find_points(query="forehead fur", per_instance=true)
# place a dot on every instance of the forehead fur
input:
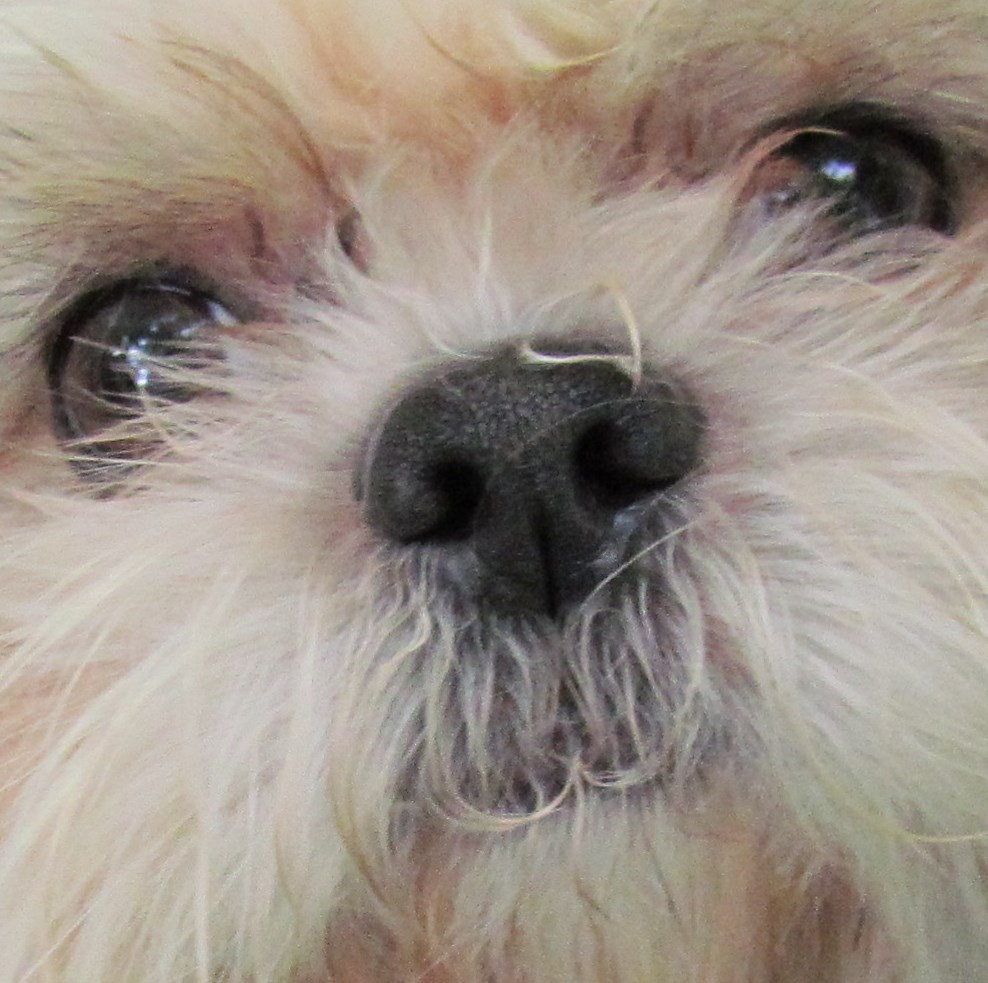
(354, 71)
(239, 130)
(417, 68)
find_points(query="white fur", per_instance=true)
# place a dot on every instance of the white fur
(234, 729)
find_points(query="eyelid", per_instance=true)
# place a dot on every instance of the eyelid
(181, 277)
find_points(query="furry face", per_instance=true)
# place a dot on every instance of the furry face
(493, 491)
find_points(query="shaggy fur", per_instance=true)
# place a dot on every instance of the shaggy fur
(242, 740)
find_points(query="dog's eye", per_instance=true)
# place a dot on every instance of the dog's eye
(870, 178)
(124, 349)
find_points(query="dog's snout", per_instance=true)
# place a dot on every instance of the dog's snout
(531, 466)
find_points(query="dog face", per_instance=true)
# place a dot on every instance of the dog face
(493, 491)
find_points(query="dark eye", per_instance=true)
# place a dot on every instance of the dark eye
(871, 176)
(125, 349)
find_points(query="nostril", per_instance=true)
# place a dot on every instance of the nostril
(458, 487)
(632, 454)
(433, 501)
(605, 473)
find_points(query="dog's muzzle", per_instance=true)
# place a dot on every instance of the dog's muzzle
(540, 466)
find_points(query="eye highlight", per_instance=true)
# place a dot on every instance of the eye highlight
(869, 174)
(124, 349)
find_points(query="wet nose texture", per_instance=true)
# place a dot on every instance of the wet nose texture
(534, 465)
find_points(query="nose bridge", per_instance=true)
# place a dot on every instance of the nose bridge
(507, 410)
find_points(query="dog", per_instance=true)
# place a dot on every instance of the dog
(493, 491)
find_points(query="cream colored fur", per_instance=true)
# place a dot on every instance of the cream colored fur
(213, 685)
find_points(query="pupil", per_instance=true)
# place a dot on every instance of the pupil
(162, 320)
(127, 371)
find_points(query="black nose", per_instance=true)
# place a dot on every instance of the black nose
(536, 466)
